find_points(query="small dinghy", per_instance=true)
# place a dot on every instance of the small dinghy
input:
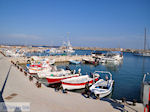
(79, 82)
(103, 87)
(74, 62)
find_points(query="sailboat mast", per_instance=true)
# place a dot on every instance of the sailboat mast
(145, 40)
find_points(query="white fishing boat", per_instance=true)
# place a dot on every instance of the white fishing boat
(37, 65)
(114, 55)
(51, 72)
(12, 53)
(56, 78)
(34, 69)
(78, 82)
(103, 87)
(146, 54)
(69, 48)
(66, 48)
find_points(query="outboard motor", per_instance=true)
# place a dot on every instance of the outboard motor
(91, 74)
(68, 68)
(79, 71)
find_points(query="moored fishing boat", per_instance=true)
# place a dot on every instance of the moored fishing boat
(78, 82)
(37, 66)
(103, 87)
(52, 79)
(52, 72)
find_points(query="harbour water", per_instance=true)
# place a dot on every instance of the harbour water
(127, 75)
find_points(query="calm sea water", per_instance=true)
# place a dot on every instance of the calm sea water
(127, 75)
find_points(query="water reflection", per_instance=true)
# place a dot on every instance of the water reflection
(113, 66)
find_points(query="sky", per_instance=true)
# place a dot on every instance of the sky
(86, 23)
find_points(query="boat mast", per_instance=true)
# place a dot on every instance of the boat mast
(145, 40)
(68, 40)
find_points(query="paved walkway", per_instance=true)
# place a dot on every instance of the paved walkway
(15, 87)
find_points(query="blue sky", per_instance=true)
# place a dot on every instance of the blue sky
(91, 23)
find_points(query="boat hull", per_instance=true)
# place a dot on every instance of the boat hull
(101, 92)
(72, 86)
(53, 80)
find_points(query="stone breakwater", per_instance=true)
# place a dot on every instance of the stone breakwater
(111, 49)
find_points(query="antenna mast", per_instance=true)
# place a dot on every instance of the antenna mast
(68, 36)
(145, 40)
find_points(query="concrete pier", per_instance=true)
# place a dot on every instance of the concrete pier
(16, 87)
(57, 58)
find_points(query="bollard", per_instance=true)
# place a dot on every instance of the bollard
(123, 100)
(38, 85)
(21, 70)
(25, 73)
(30, 78)
(12, 62)
(134, 102)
